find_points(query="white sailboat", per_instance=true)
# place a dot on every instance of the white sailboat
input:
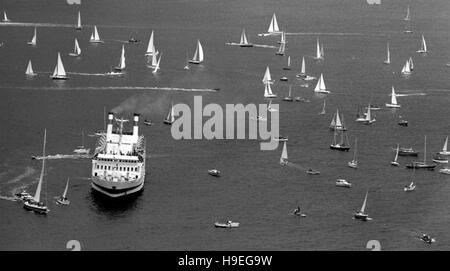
(411, 64)
(369, 119)
(320, 87)
(76, 49)
(268, 93)
(78, 27)
(408, 15)
(393, 103)
(273, 27)
(284, 155)
(336, 123)
(302, 69)
(323, 109)
(151, 47)
(155, 70)
(322, 54)
(170, 117)
(95, 38)
(423, 47)
(411, 186)
(59, 73)
(361, 214)
(388, 56)
(198, 55)
(36, 204)
(282, 38)
(121, 65)
(244, 42)
(444, 149)
(289, 97)
(406, 70)
(319, 50)
(33, 40)
(29, 71)
(354, 162)
(63, 199)
(267, 77)
(395, 163)
(81, 149)
(282, 48)
(5, 18)
(288, 66)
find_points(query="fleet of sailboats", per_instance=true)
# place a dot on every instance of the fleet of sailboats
(95, 37)
(76, 49)
(393, 102)
(36, 204)
(29, 71)
(320, 87)
(198, 55)
(59, 73)
(33, 39)
(423, 46)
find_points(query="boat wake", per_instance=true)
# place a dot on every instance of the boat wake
(12, 189)
(411, 94)
(265, 46)
(37, 24)
(114, 88)
(28, 172)
(63, 156)
(87, 74)
(328, 34)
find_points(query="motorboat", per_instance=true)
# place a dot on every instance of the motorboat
(133, 40)
(284, 79)
(214, 172)
(440, 159)
(427, 239)
(312, 172)
(23, 195)
(445, 170)
(228, 224)
(407, 152)
(403, 123)
(343, 183)
(297, 212)
(148, 122)
(301, 99)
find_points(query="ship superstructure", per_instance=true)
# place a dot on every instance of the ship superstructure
(118, 165)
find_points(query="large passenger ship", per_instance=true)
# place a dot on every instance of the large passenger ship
(118, 165)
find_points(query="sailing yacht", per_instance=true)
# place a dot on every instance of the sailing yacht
(63, 199)
(411, 64)
(289, 97)
(33, 40)
(268, 91)
(336, 123)
(155, 70)
(5, 18)
(95, 38)
(282, 47)
(408, 15)
(360, 116)
(388, 56)
(76, 49)
(395, 163)
(170, 117)
(319, 51)
(361, 215)
(284, 155)
(369, 119)
(198, 55)
(406, 70)
(151, 47)
(273, 27)
(267, 77)
(320, 87)
(411, 186)
(78, 27)
(423, 47)
(302, 69)
(36, 204)
(393, 103)
(244, 42)
(343, 144)
(444, 149)
(29, 71)
(423, 164)
(59, 73)
(121, 65)
(81, 149)
(288, 66)
(354, 162)
(323, 109)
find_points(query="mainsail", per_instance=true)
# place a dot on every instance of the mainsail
(59, 71)
(29, 70)
(267, 78)
(79, 21)
(273, 27)
(151, 47)
(243, 37)
(284, 155)
(37, 195)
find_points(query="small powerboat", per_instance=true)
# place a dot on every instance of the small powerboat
(409, 187)
(440, 159)
(284, 78)
(407, 152)
(427, 239)
(23, 195)
(343, 183)
(403, 123)
(297, 212)
(133, 40)
(147, 122)
(228, 224)
(281, 138)
(361, 216)
(312, 172)
(445, 170)
(214, 172)
(353, 164)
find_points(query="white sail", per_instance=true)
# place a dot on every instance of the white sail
(172, 116)
(393, 97)
(396, 154)
(37, 195)
(406, 68)
(273, 27)
(33, 40)
(318, 53)
(408, 16)
(423, 46)
(79, 21)
(281, 49)
(289, 61)
(267, 77)
(5, 18)
(363, 207)
(29, 70)
(284, 154)
(303, 71)
(151, 47)
(411, 64)
(243, 38)
(122, 59)
(322, 54)
(283, 37)
(338, 123)
(65, 190)
(388, 57)
(77, 49)
(268, 91)
(157, 64)
(96, 36)
(59, 71)
(369, 115)
(198, 55)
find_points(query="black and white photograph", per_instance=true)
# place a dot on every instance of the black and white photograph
(224, 125)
